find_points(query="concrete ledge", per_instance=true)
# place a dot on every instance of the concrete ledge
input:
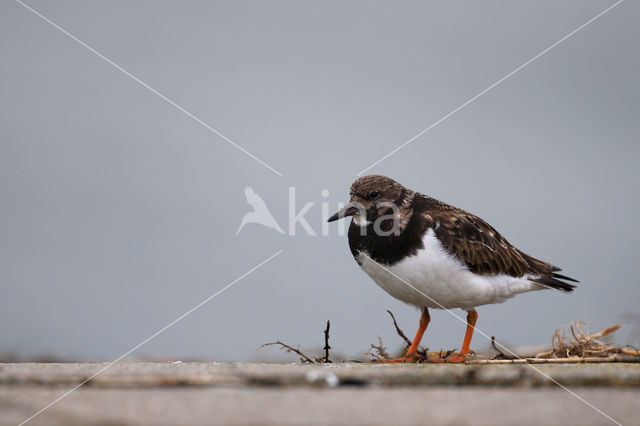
(131, 374)
(131, 393)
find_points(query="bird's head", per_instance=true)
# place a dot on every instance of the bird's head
(371, 197)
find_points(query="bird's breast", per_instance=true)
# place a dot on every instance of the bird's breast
(434, 278)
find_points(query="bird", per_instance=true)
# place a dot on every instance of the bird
(260, 213)
(430, 254)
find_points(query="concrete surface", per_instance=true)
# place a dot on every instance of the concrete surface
(215, 393)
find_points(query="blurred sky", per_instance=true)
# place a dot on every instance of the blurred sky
(118, 213)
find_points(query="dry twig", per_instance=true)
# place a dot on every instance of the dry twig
(326, 343)
(421, 351)
(575, 360)
(303, 357)
(378, 351)
(630, 350)
(398, 330)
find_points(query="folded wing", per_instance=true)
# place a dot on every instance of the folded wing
(484, 251)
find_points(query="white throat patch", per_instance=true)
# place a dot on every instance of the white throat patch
(360, 220)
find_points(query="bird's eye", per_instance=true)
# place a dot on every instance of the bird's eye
(373, 195)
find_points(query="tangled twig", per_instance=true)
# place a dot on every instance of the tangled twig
(571, 342)
(379, 351)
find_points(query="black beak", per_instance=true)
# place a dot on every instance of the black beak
(348, 210)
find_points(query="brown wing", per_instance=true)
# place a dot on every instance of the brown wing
(484, 251)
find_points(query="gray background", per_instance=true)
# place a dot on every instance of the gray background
(118, 213)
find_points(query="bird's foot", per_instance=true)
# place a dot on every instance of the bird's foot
(455, 359)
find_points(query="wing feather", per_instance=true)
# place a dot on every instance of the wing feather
(484, 251)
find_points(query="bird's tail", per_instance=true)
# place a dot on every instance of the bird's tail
(557, 281)
(547, 274)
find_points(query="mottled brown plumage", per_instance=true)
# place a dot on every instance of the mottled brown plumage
(484, 251)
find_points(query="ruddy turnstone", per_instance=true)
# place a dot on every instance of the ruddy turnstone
(433, 255)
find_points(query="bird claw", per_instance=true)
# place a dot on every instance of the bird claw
(456, 359)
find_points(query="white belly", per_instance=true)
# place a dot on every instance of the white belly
(435, 279)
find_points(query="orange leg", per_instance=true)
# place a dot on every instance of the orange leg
(412, 353)
(472, 317)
